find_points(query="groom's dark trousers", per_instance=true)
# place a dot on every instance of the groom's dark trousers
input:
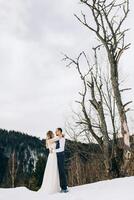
(61, 160)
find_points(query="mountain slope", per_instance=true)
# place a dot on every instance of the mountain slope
(117, 189)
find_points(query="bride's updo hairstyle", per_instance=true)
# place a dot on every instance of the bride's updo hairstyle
(50, 135)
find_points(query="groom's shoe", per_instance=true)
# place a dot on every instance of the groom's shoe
(64, 191)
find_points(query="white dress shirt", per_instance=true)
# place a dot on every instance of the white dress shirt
(62, 145)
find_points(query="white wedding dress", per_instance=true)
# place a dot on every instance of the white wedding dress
(51, 183)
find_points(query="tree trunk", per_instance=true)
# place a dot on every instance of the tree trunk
(12, 171)
(122, 114)
(105, 139)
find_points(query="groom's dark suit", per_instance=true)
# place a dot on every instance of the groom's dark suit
(60, 146)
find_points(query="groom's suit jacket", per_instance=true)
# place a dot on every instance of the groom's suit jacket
(57, 144)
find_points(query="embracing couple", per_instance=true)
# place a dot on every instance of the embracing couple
(54, 177)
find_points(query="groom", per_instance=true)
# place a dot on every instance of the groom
(60, 147)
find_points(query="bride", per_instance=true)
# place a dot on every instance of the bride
(51, 182)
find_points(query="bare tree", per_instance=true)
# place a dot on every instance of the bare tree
(109, 17)
(94, 97)
(13, 168)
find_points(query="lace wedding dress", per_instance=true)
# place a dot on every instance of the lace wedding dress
(51, 183)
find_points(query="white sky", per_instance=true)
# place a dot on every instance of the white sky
(37, 91)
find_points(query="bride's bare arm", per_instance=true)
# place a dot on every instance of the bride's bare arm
(53, 140)
(48, 145)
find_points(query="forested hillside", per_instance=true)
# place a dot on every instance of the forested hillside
(23, 159)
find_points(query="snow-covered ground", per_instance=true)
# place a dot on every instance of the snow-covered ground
(117, 189)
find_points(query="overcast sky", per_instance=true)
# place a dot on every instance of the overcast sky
(37, 91)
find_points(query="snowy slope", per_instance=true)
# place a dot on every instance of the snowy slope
(117, 189)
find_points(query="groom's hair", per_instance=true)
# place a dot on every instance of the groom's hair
(59, 129)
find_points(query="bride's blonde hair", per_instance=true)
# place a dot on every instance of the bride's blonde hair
(50, 135)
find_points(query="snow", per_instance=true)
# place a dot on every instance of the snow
(117, 189)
